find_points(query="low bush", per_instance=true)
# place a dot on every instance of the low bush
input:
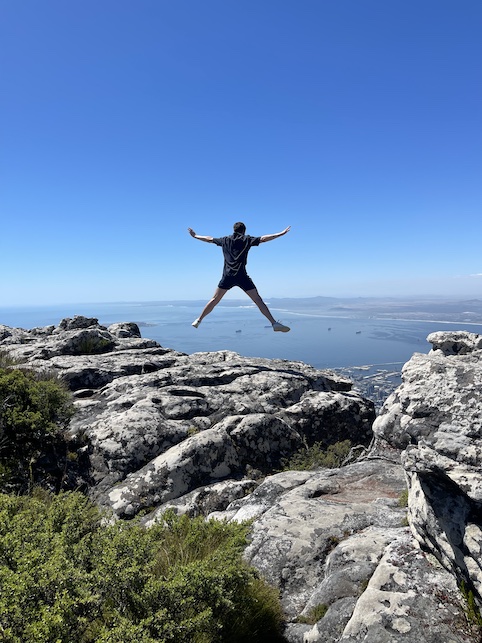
(68, 575)
(33, 415)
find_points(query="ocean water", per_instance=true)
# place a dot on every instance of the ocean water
(317, 339)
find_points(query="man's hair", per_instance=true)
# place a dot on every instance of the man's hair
(239, 227)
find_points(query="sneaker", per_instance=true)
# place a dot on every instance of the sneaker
(196, 323)
(278, 326)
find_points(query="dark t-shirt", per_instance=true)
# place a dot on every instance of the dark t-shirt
(235, 250)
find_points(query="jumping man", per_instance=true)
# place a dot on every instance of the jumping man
(235, 250)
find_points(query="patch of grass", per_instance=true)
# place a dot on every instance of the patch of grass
(403, 499)
(93, 346)
(316, 456)
(314, 615)
(69, 576)
(403, 503)
(6, 360)
(331, 543)
(472, 609)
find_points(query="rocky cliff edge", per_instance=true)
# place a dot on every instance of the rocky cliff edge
(206, 434)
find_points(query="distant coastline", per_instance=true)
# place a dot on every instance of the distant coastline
(449, 310)
(368, 339)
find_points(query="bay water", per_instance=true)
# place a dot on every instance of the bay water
(315, 338)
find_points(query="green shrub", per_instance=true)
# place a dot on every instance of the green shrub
(33, 414)
(316, 456)
(69, 576)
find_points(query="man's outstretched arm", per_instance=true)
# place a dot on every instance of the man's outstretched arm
(270, 237)
(198, 236)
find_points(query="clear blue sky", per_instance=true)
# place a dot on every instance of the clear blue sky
(357, 122)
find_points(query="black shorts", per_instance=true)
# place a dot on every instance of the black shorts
(242, 280)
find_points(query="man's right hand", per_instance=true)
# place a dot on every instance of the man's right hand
(199, 237)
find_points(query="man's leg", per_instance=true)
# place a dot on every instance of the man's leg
(255, 296)
(218, 295)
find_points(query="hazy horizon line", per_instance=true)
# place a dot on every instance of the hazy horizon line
(451, 297)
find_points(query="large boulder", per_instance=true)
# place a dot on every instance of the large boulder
(336, 545)
(302, 516)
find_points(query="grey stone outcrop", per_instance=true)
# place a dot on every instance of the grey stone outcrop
(436, 417)
(207, 434)
(158, 424)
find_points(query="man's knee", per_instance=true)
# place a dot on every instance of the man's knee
(255, 296)
(218, 296)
